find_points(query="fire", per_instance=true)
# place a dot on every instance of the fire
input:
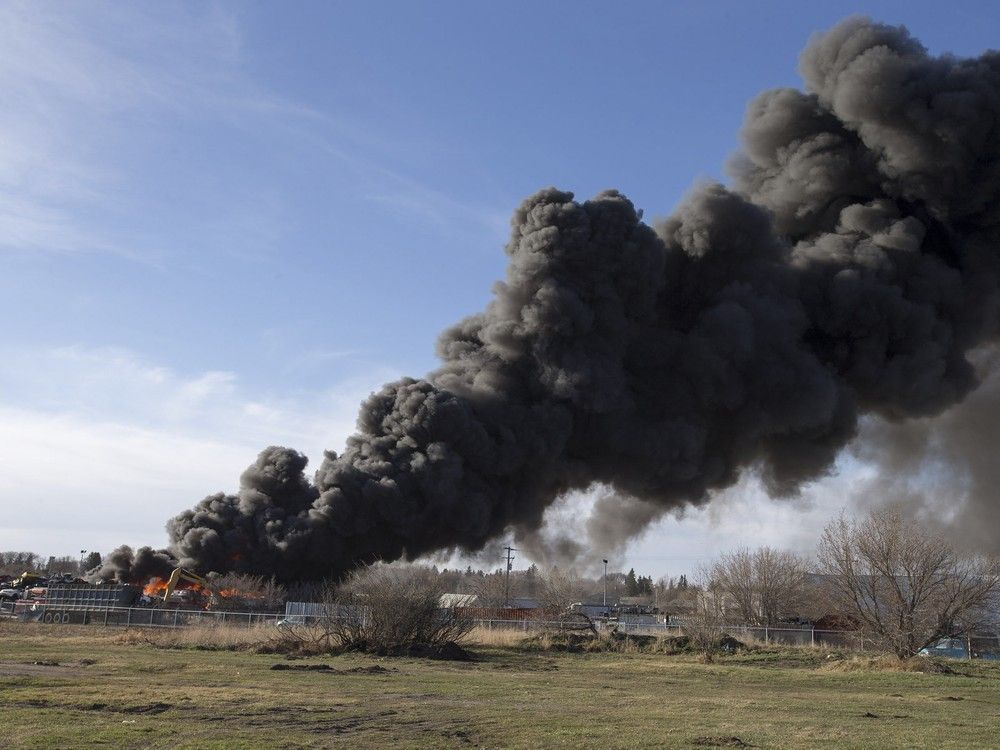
(204, 597)
(155, 587)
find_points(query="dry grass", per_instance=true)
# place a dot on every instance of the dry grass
(605, 642)
(494, 637)
(99, 687)
(887, 663)
(304, 640)
(203, 637)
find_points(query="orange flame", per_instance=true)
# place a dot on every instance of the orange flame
(155, 587)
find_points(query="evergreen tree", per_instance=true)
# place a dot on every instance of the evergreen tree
(631, 585)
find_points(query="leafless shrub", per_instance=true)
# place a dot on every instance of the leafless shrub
(393, 610)
(905, 585)
(703, 625)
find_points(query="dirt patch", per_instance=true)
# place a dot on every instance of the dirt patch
(143, 708)
(147, 708)
(279, 667)
(448, 652)
(461, 736)
(720, 742)
(33, 703)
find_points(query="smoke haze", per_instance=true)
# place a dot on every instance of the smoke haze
(849, 270)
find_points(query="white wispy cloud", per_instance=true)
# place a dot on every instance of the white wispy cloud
(99, 446)
(86, 87)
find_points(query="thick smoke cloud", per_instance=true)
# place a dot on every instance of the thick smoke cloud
(848, 271)
(944, 471)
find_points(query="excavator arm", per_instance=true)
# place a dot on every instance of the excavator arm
(180, 574)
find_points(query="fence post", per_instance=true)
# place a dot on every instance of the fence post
(128, 618)
(765, 634)
(812, 637)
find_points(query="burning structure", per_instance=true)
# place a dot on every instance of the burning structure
(851, 269)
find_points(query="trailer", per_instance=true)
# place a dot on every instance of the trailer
(76, 603)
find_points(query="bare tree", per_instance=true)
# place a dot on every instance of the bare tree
(242, 592)
(491, 590)
(14, 562)
(762, 585)
(63, 564)
(905, 584)
(558, 590)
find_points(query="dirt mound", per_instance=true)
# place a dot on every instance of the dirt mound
(373, 669)
(728, 645)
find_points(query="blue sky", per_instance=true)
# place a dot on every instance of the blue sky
(222, 225)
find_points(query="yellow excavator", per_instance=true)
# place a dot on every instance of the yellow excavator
(180, 574)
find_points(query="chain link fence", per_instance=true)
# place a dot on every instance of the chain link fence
(147, 617)
(984, 647)
(976, 647)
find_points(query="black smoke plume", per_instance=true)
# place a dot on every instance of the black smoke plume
(849, 270)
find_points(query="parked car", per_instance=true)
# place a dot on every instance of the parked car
(949, 648)
(10, 595)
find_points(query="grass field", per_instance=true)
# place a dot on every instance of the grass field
(90, 687)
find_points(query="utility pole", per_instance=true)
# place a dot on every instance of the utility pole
(510, 564)
(605, 587)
